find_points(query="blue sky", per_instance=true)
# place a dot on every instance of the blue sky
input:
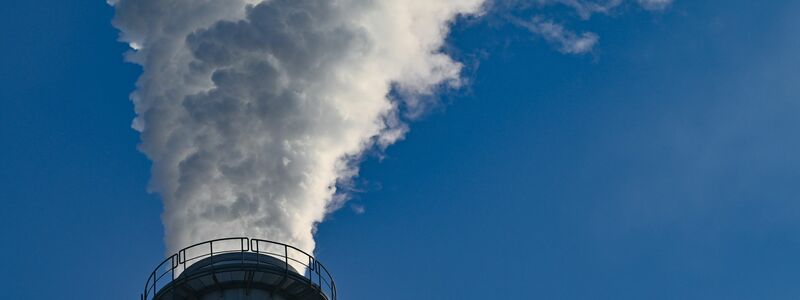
(662, 165)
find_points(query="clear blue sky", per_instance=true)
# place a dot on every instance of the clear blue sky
(663, 165)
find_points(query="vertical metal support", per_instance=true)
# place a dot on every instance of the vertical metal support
(286, 259)
(182, 259)
(173, 265)
(319, 275)
(256, 250)
(311, 270)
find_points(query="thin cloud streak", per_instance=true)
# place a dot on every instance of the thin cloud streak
(566, 41)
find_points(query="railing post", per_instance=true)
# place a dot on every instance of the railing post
(286, 257)
(173, 266)
(256, 250)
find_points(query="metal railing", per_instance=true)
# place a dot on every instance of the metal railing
(293, 258)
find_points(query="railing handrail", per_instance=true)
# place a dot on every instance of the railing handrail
(246, 245)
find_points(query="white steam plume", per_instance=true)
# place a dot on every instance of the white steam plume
(252, 111)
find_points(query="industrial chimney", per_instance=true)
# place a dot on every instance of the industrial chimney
(240, 268)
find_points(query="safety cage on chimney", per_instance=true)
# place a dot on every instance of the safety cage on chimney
(240, 263)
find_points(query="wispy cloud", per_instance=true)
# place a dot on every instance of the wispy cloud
(564, 39)
(358, 209)
(550, 28)
(586, 9)
(654, 4)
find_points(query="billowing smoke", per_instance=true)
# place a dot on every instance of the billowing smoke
(252, 111)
